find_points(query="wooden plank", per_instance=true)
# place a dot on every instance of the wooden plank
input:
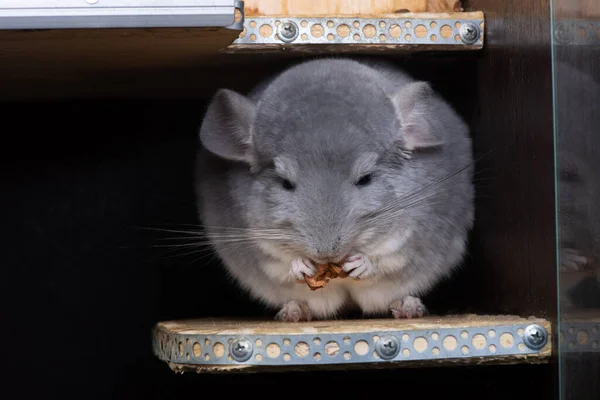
(262, 327)
(362, 49)
(347, 7)
(227, 327)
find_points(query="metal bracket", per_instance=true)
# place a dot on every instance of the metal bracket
(580, 337)
(60, 14)
(238, 20)
(347, 348)
(577, 32)
(406, 30)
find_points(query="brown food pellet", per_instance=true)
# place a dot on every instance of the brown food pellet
(325, 272)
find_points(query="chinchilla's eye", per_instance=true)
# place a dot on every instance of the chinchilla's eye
(287, 185)
(364, 180)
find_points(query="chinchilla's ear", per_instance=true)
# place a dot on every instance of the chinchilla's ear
(415, 110)
(226, 129)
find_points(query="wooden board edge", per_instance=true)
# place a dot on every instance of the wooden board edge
(464, 15)
(222, 326)
(345, 48)
(454, 362)
(541, 357)
(256, 7)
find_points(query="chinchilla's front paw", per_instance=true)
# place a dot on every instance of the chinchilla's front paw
(358, 266)
(302, 267)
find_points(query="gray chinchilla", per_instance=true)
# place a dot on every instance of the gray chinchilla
(336, 161)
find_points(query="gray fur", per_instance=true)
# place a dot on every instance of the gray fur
(322, 125)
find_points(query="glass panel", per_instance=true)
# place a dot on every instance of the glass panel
(576, 62)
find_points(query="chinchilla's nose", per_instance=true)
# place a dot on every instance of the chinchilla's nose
(329, 249)
(329, 260)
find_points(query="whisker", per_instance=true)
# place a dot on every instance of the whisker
(182, 254)
(419, 197)
(208, 243)
(211, 257)
(231, 229)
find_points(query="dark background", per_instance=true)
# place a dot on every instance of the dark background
(83, 284)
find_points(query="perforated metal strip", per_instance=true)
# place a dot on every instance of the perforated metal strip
(305, 349)
(408, 31)
(577, 32)
(580, 337)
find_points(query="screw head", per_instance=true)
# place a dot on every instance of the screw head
(387, 347)
(563, 33)
(535, 337)
(288, 31)
(469, 33)
(241, 349)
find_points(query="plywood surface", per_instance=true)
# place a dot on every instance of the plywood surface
(347, 7)
(256, 327)
(227, 327)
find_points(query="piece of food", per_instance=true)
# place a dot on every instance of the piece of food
(325, 272)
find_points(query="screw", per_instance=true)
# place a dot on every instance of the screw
(562, 33)
(288, 31)
(241, 349)
(469, 33)
(387, 347)
(535, 337)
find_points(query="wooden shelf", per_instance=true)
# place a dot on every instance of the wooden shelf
(209, 345)
(163, 62)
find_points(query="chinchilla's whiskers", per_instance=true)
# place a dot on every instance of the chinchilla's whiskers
(422, 196)
(178, 254)
(419, 197)
(225, 229)
(233, 237)
(213, 238)
(416, 199)
(423, 192)
(206, 248)
(222, 233)
(212, 241)
(221, 236)
(205, 252)
(425, 201)
(290, 246)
